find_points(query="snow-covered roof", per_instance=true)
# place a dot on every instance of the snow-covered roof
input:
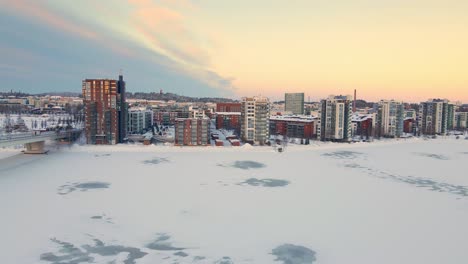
(360, 118)
(294, 118)
(227, 113)
(139, 109)
(190, 118)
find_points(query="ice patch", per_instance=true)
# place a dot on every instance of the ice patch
(245, 165)
(265, 182)
(354, 166)
(156, 161)
(224, 260)
(71, 254)
(102, 155)
(181, 254)
(198, 258)
(434, 156)
(419, 182)
(431, 184)
(102, 217)
(345, 154)
(162, 244)
(292, 254)
(85, 186)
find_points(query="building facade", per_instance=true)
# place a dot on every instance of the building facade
(228, 107)
(192, 132)
(294, 103)
(363, 125)
(409, 125)
(390, 119)
(197, 112)
(451, 122)
(101, 115)
(302, 127)
(461, 120)
(411, 113)
(140, 120)
(335, 119)
(122, 109)
(255, 112)
(168, 117)
(228, 121)
(435, 117)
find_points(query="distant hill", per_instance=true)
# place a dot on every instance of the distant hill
(364, 104)
(64, 94)
(21, 94)
(175, 97)
(137, 95)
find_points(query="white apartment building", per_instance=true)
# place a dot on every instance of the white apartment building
(390, 118)
(255, 112)
(335, 119)
(435, 117)
(461, 120)
(139, 120)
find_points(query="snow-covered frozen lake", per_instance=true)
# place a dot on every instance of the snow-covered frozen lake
(392, 202)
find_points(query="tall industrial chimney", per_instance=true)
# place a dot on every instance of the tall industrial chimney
(354, 103)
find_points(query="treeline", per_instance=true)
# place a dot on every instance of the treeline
(21, 94)
(175, 97)
(13, 93)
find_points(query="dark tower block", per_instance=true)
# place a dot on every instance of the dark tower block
(122, 109)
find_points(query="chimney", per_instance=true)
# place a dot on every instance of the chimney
(354, 103)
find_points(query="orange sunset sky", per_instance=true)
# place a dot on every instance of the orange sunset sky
(406, 50)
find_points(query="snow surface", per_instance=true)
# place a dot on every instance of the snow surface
(381, 202)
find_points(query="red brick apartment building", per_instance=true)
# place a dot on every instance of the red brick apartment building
(101, 116)
(408, 125)
(192, 132)
(228, 116)
(293, 126)
(228, 120)
(228, 107)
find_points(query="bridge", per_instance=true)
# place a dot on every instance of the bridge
(34, 141)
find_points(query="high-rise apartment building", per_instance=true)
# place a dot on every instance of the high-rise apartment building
(122, 109)
(335, 119)
(255, 112)
(411, 113)
(451, 116)
(461, 120)
(139, 120)
(390, 119)
(104, 107)
(436, 117)
(192, 132)
(294, 103)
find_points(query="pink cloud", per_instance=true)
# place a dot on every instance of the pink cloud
(165, 28)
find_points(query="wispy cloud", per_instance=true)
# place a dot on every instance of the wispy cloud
(34, 10)
(142, 26)
(39, 11)
(165, 31)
